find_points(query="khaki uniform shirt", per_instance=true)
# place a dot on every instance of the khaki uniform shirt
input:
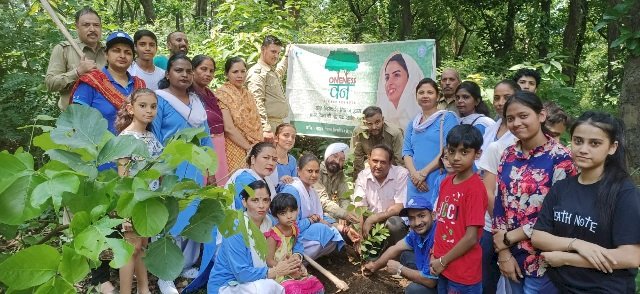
(444, 105)
(265, 83)
(329, 206)
(362, 143)
(61, 72)
(335, 185)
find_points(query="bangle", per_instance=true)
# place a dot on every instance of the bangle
(399, 271)
(501, 261)
(569, 248)
(441, 263)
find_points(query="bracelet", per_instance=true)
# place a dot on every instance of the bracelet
(399, 271)
(441, 263)
(569, 248)
(501, 261)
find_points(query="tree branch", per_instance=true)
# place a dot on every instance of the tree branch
(51, 234)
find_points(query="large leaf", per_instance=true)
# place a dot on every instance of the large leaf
(149, 217)
(202, 158)
(15, 194)
(45, 143)
(11, 165)
(89, 198)
(121, 147)
(122, 252)
(56, 285)
(164, 259)
(90, 243)
(125, 205)
(80, 126)
(54, 188)
(74, 267)
(193, 135)
(74, 161)
(80, 222)
(30, 267)
(210, 212)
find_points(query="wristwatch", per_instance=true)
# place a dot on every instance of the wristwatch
(506, 240)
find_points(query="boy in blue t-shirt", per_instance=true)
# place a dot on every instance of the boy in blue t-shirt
(414, 249)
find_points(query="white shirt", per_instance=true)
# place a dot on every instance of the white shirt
(151, 79)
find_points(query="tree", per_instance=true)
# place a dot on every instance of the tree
(573, 37)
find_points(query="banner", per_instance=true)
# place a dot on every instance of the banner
(328, 85)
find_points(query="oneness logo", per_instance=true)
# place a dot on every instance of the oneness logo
(341, 60)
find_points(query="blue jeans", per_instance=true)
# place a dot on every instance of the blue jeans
(533, 285)
(446, 286)
(490, 270)
(408, 259)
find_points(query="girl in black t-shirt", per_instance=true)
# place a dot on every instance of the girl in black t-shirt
(587, 227)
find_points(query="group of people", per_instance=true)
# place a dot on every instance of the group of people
(473, 203)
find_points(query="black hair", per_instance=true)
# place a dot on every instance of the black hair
(371, 111)
(164, 83)
(144, 33)
(86, 10)
(256, 149)
(255, 185)
(615, 172)
(527, 72)
(231, 61)
(555, 114)
(400, 60)
(306, 158)
(430, 82)
(282, 202)
(467, 135)
(199, 59)
(512, 84)
(270, 39)
(386, 148)
(528, 99)
(476, 93)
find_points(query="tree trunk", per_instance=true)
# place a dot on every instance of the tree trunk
(358, 26)
(573, 38)
(149, 13)
(201, 8)
(179, 22)
(630, 96)
(613, 74)
(509, 30)
(545, 24)
(406, 24)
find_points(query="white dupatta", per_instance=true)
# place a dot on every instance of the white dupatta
(264, 227)
(310, 202)
(193, 113)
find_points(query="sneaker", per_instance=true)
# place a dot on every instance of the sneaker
(167, 287)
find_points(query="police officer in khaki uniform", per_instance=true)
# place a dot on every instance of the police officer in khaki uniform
(65, 66)
(264, 81)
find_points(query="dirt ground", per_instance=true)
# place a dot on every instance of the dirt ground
(339, 264)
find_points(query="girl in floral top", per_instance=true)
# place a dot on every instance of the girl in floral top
(527, 171)
(134, 119)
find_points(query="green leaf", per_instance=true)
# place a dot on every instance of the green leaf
(30, 267)
(125, 205)
(121, 147)
(164, 259)
(44, 117)
(556, 64)
(90, 243)
(80, 126)
(15, 194)
(8, 232)
(74, 267)
(192, 135)
(45, 143)
(143, 194)
(56, 285)
(149, 217)
(11, 165)
(54, 188)
(210, 212)
(122, 252)
(106, 224)
(600, 25)
(80, 222)
(74, 161)
(202, 158)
